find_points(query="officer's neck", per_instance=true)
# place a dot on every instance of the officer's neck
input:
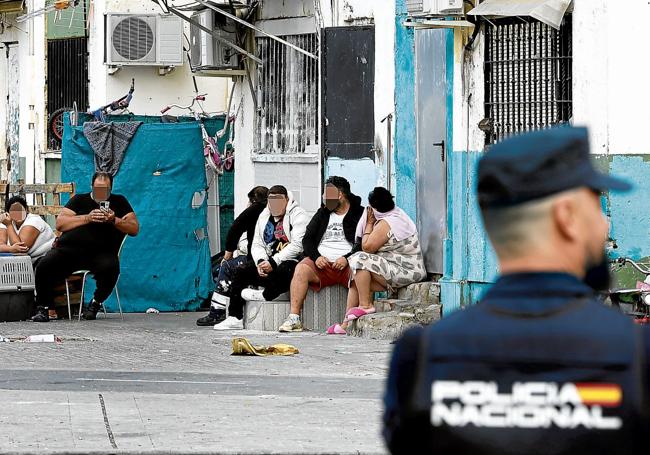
(540, 264)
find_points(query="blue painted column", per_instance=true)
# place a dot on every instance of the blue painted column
(405, 134)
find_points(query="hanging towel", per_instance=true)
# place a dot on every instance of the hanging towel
(109, 142)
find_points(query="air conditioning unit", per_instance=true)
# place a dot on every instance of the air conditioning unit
(206, 52)
(435, 7)
(143, 39)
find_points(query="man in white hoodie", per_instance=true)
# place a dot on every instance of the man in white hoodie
(276, 250)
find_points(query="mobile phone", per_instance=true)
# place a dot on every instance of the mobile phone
(104, 205)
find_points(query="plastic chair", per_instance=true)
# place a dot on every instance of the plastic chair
(85, 273)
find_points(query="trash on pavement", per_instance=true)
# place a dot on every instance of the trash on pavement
(152, 311)
(50, 338)
(241, 346)
(4, 340)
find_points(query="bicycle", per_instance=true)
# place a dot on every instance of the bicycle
(213, 158)
(634, 302)
(118, 106)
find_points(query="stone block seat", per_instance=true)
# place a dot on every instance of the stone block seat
(321, 310)
(416, 304)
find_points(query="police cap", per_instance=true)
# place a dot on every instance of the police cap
(539, 164)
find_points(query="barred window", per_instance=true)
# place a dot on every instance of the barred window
(288, 94)
(527, 77)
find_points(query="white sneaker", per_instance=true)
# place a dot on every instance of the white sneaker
(291, 325)
(230, 323)
(253, 295)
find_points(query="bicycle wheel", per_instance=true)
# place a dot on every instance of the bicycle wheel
(56, 123)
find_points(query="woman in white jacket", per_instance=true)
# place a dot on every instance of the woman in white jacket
(276, 250)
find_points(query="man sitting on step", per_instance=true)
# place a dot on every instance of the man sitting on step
(276, 249)
(328, 242)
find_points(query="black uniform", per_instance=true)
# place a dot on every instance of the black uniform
(540, 365)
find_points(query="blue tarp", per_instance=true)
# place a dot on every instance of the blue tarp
(167, 266)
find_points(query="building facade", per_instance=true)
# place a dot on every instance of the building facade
(304, 118)
(519, 74)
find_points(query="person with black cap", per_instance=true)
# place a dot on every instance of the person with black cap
(540, 365)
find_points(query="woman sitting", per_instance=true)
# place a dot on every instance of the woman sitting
(390, 256)
(22, 232)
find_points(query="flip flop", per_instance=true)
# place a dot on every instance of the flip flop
(356, 313)
(336, 329)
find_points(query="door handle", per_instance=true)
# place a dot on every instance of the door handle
(441, 144)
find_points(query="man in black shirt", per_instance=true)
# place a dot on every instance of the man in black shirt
(93, 226)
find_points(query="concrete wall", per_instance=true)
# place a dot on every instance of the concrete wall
(610, 77)
(152, 92)
(32, 121)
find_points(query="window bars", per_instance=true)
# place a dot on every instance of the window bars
(288, 94)
(527, 77)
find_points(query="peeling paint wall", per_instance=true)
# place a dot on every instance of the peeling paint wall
(613, 102)
(609, 96)
(405, 154)
(28, 120)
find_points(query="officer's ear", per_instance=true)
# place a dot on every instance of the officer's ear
(564, 213)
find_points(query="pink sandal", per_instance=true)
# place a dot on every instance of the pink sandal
(336, 329)
(356, 313)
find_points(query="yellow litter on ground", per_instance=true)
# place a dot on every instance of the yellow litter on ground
(241, 346)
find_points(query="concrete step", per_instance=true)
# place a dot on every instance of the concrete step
(425, 293)
(399, 305)
(389, 325)
(416, 304)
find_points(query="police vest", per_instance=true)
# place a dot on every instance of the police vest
(568, 381)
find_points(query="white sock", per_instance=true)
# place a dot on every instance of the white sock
(294, 317)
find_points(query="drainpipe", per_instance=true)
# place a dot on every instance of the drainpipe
(389, 153)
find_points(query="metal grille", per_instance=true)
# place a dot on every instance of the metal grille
(527, 77)
(288, 83)
(133, 38)
(67, 75)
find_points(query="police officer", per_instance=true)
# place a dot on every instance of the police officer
(539, 366)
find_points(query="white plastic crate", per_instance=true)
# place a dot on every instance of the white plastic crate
(16, 274)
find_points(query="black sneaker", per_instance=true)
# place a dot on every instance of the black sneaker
(41, 315)
(90, 312)
(212, 318)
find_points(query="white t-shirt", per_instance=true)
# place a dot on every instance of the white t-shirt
(333, 245)
(45, 239)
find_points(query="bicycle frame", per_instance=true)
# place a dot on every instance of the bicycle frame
(119, 104)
